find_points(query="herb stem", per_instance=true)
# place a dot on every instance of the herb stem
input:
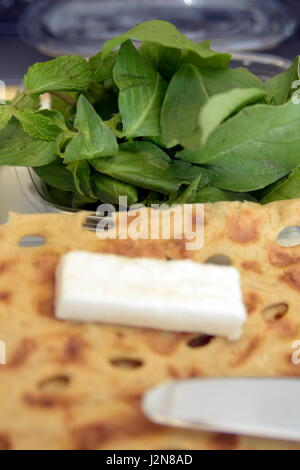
(63, 97)
(18, 98)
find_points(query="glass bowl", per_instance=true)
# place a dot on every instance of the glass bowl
(58, 27)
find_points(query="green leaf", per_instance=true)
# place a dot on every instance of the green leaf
(145, 165)
(81, 172)
(38, 125)
(280, 87)
(221, 80)
(5, 115)
(166, 60)
(184, 99)
(219, 107)
(213, 194)
(94, 139)
(19, 149)
(66, 108)
(79, 201)
(66, 73)
(26, 101)
(287, 188)
(57, 175)
(141, 93)
(188, 194)
(166, 34)
(254, 148)
(109, 190)
(103, 66)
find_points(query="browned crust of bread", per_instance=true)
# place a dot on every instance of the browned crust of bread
(78, 386)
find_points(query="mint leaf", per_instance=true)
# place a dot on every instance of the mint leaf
(145, 165)
(184, 99)
(5, 115)
(108, 190)
(254, 148)
(141, 93)
(66, 73)
(287, 188)
(57, 175)
(166, 34)
(19, 149)
(94, 139)
(280, 86)
(38, 125)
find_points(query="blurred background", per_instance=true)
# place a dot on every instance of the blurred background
(34, 30)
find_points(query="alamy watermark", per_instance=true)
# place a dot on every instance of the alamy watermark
(157, 222)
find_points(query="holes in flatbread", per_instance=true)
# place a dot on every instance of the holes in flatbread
(95, 223)
(29, 241)
(126, 363)
(54, 385)
(275, 312)
(289, 236)
(221, 260)
(199, 341)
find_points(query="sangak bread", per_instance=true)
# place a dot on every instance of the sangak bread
(78, 386)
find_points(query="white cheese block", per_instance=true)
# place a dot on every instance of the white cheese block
(169, 295)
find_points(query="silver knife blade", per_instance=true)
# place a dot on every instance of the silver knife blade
(262, 407)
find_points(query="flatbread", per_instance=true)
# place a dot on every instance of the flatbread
(78, 386)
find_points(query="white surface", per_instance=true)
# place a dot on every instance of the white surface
(143, 292)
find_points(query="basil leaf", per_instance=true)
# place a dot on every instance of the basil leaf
(188, 194)
(184, 99)
(82, 177)
(280, 87)
(5, 115)
(57, 175)
(94, 139)
(37, 125)
(287, 188)
(254, 148)
(66, 73)
(19, 149)
(166, 60)
(145, 165)
(219, 107)
(166, 34)
(213, 194)
(109, 190)
(141, 93)
(221, 80)
(79, 201)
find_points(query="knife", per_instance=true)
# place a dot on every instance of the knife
(262, 407)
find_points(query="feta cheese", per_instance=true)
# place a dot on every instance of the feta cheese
(169, 295)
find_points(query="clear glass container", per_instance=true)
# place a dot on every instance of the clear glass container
(57, 27)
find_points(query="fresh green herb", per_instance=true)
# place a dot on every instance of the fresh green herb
(287, 188)
(66, 73)
(5, 115)
(141, 95)
(93, 139)
(164, 121)
(281, 87)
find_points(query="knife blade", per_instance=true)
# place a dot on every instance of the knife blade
(262, 407)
